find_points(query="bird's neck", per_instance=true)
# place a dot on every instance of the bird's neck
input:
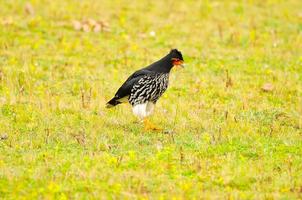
(163, 65)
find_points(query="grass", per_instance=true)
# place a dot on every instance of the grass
(229, 140)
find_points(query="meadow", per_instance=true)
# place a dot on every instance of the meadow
(232, 118)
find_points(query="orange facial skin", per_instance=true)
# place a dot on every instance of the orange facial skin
(177, 61)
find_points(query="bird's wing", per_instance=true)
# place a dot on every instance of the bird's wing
(125, 89)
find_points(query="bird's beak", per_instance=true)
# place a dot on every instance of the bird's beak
(180, 63)
(177, 63)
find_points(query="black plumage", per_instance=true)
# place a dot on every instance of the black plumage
(149, 83)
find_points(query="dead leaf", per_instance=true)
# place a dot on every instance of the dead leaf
(86, 28)
(91, 25)
(267, 87)
(91, 22)
(142, 35)
(8, 21)
(29, 9)
(3, 137)
(97, 28)
(77, 25)
(103, 23)
(104, 26)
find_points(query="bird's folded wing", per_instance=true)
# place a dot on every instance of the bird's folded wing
(125, 89)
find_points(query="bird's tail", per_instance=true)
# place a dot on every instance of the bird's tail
(113, 102)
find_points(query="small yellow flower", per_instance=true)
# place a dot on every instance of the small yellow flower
(53, 187)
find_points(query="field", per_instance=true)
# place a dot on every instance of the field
(232, 118)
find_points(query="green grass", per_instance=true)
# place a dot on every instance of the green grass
(238, 142)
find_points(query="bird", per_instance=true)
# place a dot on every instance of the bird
(145, 86)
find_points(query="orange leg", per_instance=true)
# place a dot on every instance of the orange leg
(149, 126)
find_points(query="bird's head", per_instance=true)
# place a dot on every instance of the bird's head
(176, 58)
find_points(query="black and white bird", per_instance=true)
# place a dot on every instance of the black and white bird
(145, 86)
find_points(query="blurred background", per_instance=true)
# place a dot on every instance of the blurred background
(235, 110)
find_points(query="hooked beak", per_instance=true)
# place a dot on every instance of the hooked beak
(179, 63)
(182, 64)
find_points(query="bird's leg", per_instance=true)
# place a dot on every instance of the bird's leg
(149, 126)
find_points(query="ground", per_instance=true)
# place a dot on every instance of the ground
(232, 116)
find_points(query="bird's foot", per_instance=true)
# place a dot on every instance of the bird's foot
(149, 126)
